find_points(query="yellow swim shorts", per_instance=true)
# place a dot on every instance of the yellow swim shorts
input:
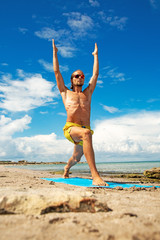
(67, 129)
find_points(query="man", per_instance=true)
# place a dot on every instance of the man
(77, 104)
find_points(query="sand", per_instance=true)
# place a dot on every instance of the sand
(32, 208)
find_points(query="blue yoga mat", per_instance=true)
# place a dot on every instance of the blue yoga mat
(84, 182)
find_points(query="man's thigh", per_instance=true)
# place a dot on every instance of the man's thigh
(76, 134)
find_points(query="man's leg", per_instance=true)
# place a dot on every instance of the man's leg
(84, 134)
(76, 157)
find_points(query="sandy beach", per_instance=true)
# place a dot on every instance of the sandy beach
(32, 208)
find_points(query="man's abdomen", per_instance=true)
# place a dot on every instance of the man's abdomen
(79, 115)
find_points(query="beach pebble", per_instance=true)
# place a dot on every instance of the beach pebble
(93, 230)
(132, 188)
(138, 189)
(51, 183)
(151, 189)
(118, 188)
(129, 214)
(56, 220)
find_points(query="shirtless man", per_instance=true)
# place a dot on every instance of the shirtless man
(77, 104)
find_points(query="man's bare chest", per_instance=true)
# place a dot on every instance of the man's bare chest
(77, 99)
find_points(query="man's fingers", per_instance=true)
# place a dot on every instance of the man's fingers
(54, 46)
(95, 49)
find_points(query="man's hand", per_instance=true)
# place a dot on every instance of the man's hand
(55, 49)
(95, 50)
(93, 80)
(60, 83)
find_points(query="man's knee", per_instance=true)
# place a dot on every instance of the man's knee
(76, 158)
(87, 134)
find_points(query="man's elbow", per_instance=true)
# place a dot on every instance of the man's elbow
(56, 71)
(95, 76)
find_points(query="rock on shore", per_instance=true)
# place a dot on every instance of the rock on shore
(59, 201)
(152, 173)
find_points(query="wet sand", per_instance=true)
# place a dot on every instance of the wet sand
(32, 208)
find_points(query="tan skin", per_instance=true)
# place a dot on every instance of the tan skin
(77, 104)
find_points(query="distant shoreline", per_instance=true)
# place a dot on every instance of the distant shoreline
(31, 163)
(25, 162)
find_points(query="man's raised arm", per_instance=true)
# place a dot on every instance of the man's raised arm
(93, 81)
(59, 78)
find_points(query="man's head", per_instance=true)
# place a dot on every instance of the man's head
(77, 79)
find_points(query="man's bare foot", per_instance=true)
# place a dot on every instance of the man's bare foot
(99, 181)
(66, 172)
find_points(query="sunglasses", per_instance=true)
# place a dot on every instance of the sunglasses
(77, 76)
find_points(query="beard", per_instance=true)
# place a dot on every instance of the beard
(78, 84)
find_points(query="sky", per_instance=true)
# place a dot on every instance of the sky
(125, 109)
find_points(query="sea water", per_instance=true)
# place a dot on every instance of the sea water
(104, 167)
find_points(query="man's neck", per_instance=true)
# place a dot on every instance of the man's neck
(77, 89)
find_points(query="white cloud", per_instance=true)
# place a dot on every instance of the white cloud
(79, 23)
(49, 66)
(23, 30)
(130, 135)
(22, 74)
(94, 3)
(43, 112)
(43, 147)
(8, 126)
(34, 148)
(133, 136)
(34, 16)
(114, 21)
(114, 74)
(118, 22)
(4, 120)
(62, 114)
(46, 65)
(100, 83)
(152, 100)
(153, 3)
(110, 109)
(29, 92)
(64, 68)
(102, 15)
(4, 64)
(66, 51)
(50, 33)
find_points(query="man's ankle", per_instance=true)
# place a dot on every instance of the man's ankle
(95, 175)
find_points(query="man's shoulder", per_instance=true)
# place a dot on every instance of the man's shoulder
(86, 90)
(68, 91)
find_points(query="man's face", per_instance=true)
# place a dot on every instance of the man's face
(78, 79)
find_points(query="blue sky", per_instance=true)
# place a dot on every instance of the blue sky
(125, 105)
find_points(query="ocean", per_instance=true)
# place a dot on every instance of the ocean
(104, 167)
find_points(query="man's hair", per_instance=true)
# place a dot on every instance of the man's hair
(71, 81)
